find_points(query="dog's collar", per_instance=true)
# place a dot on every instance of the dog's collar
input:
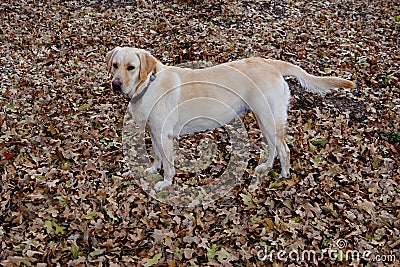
(138, 96)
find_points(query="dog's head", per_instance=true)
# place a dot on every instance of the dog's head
(129, 67)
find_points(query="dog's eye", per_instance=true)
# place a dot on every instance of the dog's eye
(130, 68)
(115, 66)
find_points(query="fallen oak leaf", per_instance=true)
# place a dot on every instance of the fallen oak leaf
(321, 142)
(224, 256)
(75, 252)
(90, 215)
(248, 201)
(58, 229)
(97, 252)
(275, 185)
(83, 107)
(211, 251)
(31, 253)
(48, 226)
(153, 261)
(17, 260)
(110, 214)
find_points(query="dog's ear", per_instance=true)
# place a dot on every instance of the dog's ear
(109, 57)
(147, 64)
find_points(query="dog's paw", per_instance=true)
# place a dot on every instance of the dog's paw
(285, 174)
(260, 169)
(162, 185)
(151, 170)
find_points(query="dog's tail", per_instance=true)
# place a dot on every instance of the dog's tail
(310, 82)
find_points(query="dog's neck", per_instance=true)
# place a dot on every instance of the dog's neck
(139, 95)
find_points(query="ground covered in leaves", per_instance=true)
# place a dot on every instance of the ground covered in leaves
(67, 198)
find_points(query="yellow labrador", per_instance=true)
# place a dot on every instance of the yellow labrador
(175, 101)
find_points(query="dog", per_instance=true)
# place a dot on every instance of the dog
(175, 101)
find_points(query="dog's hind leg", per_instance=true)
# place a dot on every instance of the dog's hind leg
(270, 137)
(274, 134)
(271, 116)
(283, 151)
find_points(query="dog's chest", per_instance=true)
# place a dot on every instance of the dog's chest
(139, 112)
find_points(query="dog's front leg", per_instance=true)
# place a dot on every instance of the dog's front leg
(166, 148)
(157, 157)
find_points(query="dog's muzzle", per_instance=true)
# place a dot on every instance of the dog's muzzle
(116, 84)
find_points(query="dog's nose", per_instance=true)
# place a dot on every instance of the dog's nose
(116, 84)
